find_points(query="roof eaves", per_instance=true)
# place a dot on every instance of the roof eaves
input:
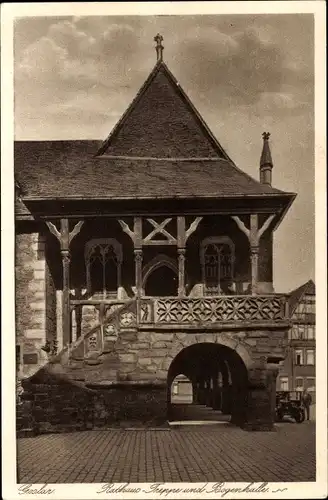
(292, 197)
(152, 197)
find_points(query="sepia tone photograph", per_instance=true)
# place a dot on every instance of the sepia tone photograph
(165, 284)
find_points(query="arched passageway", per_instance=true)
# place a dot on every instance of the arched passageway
(218, 377)
(181, 390)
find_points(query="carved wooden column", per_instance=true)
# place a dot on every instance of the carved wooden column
(181, 262)
(137, 240)
(182, 236)
(65, 238)
(181, 240)
(255, 249)
(253, 234)
(138, 270)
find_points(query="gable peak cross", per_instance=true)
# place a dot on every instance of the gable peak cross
(266, 136)
(159, 47)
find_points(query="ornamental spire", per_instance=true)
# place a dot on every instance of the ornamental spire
(159, 47)
(266, 163)
(266, 153)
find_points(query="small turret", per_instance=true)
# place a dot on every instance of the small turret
(266, 164)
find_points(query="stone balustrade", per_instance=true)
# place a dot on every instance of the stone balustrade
(213, 310)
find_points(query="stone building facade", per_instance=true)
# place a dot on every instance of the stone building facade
(297, 372)
(146, 256)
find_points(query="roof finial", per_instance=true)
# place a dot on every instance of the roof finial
(159, 47)
(266, 153)
(266, 163)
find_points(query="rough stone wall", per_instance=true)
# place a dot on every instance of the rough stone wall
(65, 408)
(30, 299)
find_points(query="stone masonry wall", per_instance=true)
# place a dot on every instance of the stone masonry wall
(146, 356)
(65, 408)
(30, 300)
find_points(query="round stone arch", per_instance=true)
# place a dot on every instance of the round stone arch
(181, 341)
(201, 356)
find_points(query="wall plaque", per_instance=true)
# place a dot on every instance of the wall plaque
(30, 359)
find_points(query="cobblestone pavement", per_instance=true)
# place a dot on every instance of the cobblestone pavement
(207, 453)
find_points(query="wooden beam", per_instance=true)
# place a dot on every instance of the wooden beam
(53, 230)
(181, 264)
(159, 228)
(266, 225)
(75, 231)
(64, 234)
(254, 227)
(137, 227)
(126, 229)
(181, 231)
(193, 226)
(241, 225)
(254, 235)
(138, 271)
(65, 238)
(159, 242)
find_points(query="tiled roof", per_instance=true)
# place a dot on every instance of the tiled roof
(69, 169)
(162, 122)
(296, 295)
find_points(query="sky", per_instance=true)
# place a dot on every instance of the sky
(75, 76)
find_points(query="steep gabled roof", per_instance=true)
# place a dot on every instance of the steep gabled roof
(161, 148)
(296, 295)
(161, 122)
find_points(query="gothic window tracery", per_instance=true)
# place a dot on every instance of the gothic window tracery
(217, 262)
(103, 261)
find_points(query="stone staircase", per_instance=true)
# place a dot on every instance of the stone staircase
(94, 356)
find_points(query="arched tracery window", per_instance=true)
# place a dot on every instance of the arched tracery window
(217, 262)
(103, 261)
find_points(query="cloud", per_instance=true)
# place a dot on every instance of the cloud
(243, 68)
(41, 60)
(222, 65)
(77, 42)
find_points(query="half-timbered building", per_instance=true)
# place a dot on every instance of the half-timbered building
(146, 256)
(298, 369)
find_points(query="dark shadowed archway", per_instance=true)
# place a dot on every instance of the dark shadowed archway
(219, 380)
(162, 282)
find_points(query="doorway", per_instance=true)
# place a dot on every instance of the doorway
(161, 281)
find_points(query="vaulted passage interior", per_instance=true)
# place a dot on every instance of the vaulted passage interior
(219, 381)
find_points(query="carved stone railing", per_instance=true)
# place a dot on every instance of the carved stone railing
(210, 310)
